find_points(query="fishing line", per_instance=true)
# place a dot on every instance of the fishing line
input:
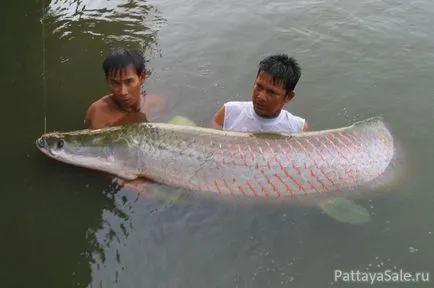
(44, 79)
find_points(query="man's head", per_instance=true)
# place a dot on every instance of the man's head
(274, 85)
(125, 72)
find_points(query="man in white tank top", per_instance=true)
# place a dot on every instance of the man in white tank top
(273, 88)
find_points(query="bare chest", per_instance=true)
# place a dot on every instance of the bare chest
(121, 118)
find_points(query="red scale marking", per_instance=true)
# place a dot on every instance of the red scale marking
(352, 154)
(231, 153)
(275, 189)
(243, 157)
(223, 156)
(252, 189)
(299, 172)
(288, 189)
(324, 186)
(343, 156)
(251, 153)
(218, 187)
(207, 187)
(263, 157)
(337, 174)
(263, 189)
(298, 184)
(229, 187)
(240, 188)
(345, 170)
(359, 149)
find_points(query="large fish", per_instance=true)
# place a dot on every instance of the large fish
(232, 163)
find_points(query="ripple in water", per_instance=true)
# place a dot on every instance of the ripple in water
(111, 21)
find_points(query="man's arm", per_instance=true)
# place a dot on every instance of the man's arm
(306, 127)
(154, 105)
(93, 119)
(219, 118)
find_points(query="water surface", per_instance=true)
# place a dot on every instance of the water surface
(72, 227)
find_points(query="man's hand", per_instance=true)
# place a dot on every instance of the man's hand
(219, 118)
(137, 185)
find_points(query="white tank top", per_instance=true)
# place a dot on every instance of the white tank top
(240, 116)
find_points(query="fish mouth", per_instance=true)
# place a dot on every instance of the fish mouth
(42, 145)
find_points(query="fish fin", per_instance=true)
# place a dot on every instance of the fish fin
(181, 120)
(345, 210)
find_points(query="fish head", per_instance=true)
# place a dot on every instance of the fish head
(94, 149)
(55, 145)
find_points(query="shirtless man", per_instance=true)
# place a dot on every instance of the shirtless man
(125, 72)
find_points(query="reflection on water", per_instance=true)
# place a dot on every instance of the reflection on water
(111, 21)
(114, 229)
(112, 254)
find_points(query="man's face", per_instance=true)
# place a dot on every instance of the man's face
(268, 97)
(125, 86)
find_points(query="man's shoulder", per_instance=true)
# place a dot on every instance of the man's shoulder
(101, 104)
(237, 105)
(295, 121)
(96, 110)
(291, 115)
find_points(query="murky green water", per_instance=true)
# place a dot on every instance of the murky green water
(69, 227)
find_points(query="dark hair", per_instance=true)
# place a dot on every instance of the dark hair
(120, 59)
(281, 68)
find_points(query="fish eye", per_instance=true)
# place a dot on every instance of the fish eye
(59, 144)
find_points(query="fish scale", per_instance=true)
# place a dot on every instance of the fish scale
(313, 172)
(266, 170)
(233, 163)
